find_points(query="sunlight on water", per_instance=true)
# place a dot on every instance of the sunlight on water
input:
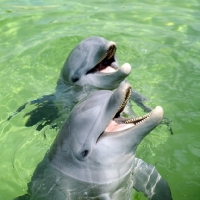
(159, 39)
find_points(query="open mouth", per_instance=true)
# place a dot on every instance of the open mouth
(108, 63)
(119, 123)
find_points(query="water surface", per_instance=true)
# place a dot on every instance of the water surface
(161, 41)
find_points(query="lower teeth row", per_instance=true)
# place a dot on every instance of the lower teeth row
(142, 119)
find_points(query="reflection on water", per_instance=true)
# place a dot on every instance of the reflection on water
(161, 42)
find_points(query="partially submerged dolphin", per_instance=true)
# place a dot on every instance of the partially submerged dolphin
(93, 62)
(93, 155)
(92, 65)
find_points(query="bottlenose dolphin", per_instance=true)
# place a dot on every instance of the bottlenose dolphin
(93, 155)
(93, 62)
(92, 65)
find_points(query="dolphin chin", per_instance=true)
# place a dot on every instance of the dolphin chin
(109, 80)
(86, 161)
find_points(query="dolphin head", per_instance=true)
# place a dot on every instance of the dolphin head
(96, 144)
(93, 62)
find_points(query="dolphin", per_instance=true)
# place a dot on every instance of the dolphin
(93, 155)
(92, 65)
(93, 62)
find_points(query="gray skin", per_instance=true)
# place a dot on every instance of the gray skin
(92, 65)
(90, 159)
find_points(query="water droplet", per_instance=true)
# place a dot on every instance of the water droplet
(85, 193)
(144, 50)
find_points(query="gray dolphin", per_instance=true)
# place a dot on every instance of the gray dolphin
(91, 66)
(93, 62)
(93, 155)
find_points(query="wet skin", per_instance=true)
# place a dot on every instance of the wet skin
(93, 155)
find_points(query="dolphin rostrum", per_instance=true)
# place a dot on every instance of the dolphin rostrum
(93, 155)
(92, 65)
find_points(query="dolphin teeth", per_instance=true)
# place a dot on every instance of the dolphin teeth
(128, 94)
(111, 51)
(138, 120)
(106, 60)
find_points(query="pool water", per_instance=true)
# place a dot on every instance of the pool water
(161, 41)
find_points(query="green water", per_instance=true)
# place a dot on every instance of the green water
(161, 41)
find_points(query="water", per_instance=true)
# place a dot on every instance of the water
(159, 39)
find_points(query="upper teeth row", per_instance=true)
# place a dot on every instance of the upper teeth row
(108, 51)
(128, 94)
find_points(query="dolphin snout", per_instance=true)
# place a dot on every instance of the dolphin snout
(126, 68)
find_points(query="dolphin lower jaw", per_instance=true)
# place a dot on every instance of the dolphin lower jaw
(113, 68)
(119, 124)
(149, 121)
(106, 80)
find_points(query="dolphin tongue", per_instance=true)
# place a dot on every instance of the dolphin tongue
(114, 126)
(108, 69)
(114, 67)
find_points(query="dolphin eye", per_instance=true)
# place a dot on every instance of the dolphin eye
(84, 153)
(74, 79)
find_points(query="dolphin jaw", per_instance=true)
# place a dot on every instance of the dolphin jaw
(118, 124)
(126, 68)
(122, 124)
